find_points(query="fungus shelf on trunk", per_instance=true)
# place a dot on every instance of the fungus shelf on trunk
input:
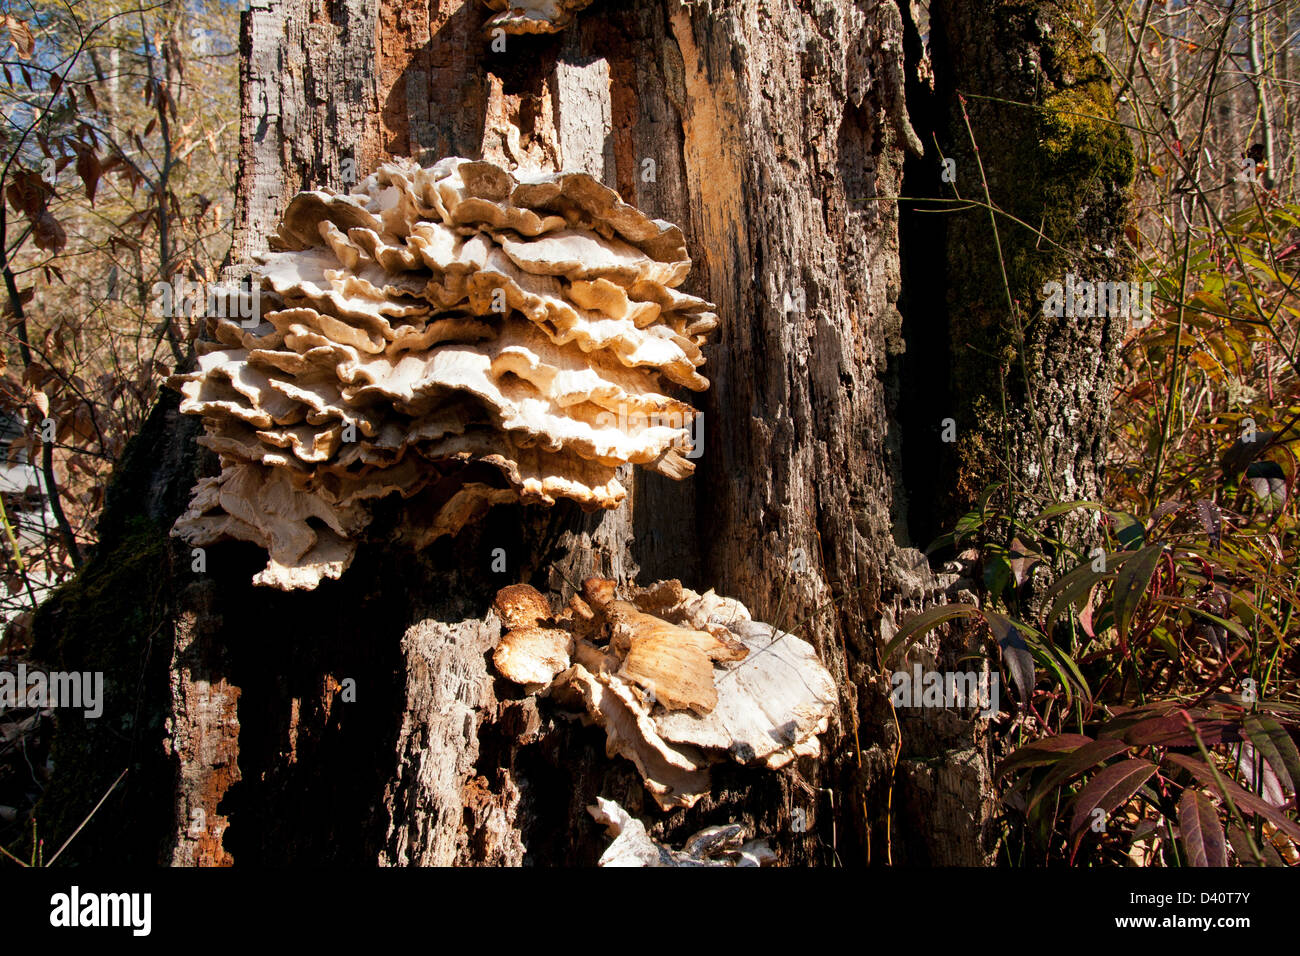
(533, 16)
(719, 845)
(439, 320)
(678, 680)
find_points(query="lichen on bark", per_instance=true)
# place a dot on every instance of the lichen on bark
(1042, 124)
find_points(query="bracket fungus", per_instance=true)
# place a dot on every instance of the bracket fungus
(533, 16)
(677, 680)
(456, 334)
(724, 845)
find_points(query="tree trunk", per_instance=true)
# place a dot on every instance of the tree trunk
(1028, 393)
(361, 722)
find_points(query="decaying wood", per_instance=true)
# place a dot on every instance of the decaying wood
(448, 691)
(771, 132)
(533, 16)
(762, 130)
(723, 845)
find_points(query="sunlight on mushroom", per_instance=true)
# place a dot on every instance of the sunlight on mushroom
(457, 333)
(677, 680)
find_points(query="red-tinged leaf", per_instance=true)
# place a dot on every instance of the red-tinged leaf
(1259, 776)
(90, 95)
(1166, 508)
(1200, 830)
(1125, 718)
(48, 234)
(149, 127)
(1016, 656)
(1108, 790)
(924, 622)
(27, 193)
(1080, 761)
(1022, 561)
(27, 77)
(1131, 584)
(1172, 731)
(9, 77)
(1045, 751)
(1086, 618)
(89, 169)
(1243, 798)
(1211, 520)
(1075, 585)
(1125, 721)
(1241, 844)
(1276, 746)
(56, 83)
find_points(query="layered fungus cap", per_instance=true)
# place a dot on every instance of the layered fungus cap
(456, 333)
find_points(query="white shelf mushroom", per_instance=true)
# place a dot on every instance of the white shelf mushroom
(533, 16)
(678, 681)
(454, 332)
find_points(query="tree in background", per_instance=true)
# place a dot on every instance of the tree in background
(117, 157)
(118, 132)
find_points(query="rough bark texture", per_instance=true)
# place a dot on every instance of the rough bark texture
(361, 722)
(1029, 394)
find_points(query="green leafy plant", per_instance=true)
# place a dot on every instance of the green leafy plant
(1161, 621)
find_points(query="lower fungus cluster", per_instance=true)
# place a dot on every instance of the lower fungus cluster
(456, 334)
(679, 681)
(532, 16)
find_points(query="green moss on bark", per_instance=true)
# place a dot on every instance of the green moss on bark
(1041, 113)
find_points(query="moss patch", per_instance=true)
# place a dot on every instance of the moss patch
(1042, 113)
